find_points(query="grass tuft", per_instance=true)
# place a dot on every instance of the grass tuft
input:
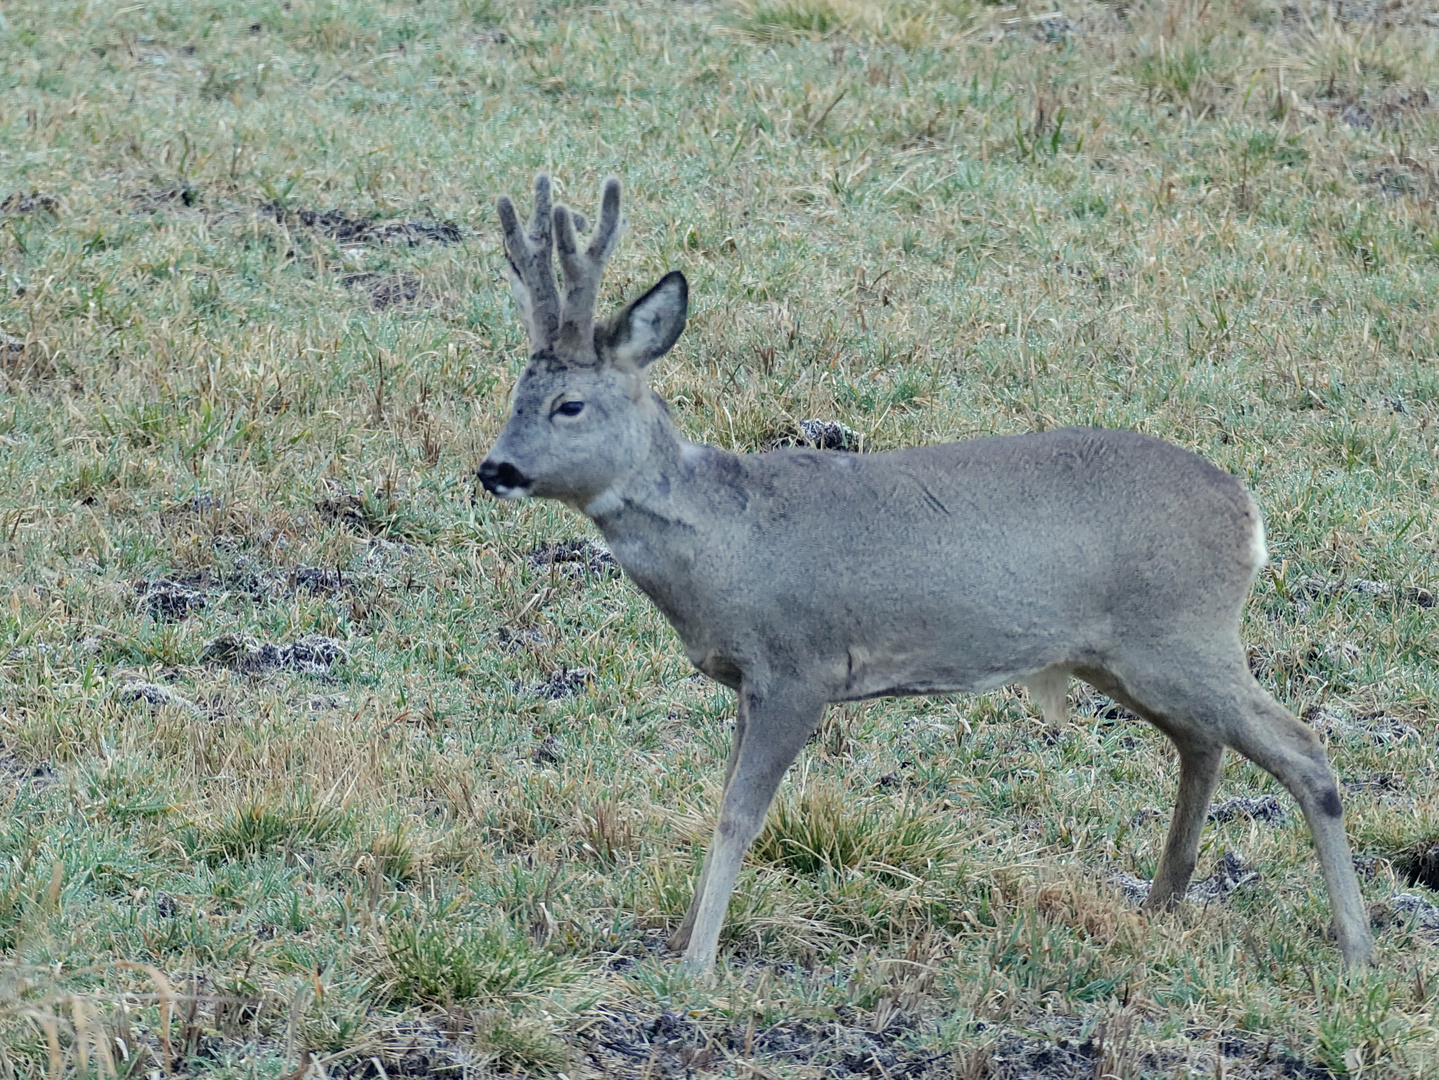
(447, 965)
(825, 828)
(256, 829)
(778, 20)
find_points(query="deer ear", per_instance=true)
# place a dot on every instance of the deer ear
(649, 327)
(519, 258)
(521, 293)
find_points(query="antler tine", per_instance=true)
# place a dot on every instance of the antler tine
(583, 270)
(607, 235)
(532, 277)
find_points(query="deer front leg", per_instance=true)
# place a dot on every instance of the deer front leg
(680, 939)
(774, 723)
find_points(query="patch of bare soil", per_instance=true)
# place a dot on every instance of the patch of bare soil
(1265, 808)
(411, 1049)
(1312, 589)
(671, 1045)
(313, 654)
(1379, 728)
(204, 503)
(155, 199)
(15, 773)
(174, 598)
(339, 225)
(1060, 1049)
(167, 600)
(674, 1045)
(19, 203)
(815, 435)
(573, 559)
(377, 514)
(318, 579)
(154, 695)
(1232, 873)
(617, 1043)
(625, 1045)
(515, 638)
(1088, 701)
(550, 751)
(1418, 911)
(355, 229)
(563, 682)
(1380, 784)
(350, 510)
(1306, 14)
(387, 290)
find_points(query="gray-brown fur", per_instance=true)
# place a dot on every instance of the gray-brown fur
(804, 577)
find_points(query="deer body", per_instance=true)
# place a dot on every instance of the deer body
(787, 559)
(801, 577)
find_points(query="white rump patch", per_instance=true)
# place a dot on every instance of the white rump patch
(1259, 552)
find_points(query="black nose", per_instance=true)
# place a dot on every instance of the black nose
(501, 474)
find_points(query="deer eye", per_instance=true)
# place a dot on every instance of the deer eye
(570, 408)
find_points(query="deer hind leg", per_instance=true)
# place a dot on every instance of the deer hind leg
(1050, 689)
(775, 726)
(1200, 763)
(1220, 704)
(1271, 737)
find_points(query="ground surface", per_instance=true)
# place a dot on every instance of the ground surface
(317, 762)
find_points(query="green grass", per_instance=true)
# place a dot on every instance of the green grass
(1212, 221)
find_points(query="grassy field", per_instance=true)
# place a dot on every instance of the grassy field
(319, 763)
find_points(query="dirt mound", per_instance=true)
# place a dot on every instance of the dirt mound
(1232, 872)
(167, 600)
(349, 228)
(573, 558)
(313, 654)
(1264, 808)
(19, 203)
(386, 290)
(817, 435)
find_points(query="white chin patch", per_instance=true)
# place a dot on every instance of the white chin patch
(512, 494)
(606, 503)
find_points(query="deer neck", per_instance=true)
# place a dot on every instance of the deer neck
(648, 494)
(655, 523)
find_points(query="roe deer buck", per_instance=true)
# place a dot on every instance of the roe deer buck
(803, 577)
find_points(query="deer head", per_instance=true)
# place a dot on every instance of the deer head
(582, 414)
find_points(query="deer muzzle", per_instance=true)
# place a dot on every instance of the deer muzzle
(503, 480)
